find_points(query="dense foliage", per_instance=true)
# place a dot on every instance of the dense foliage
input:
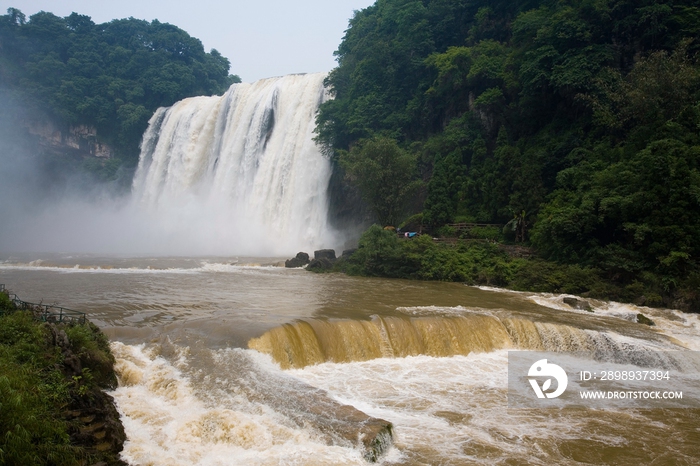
(382, 253)
(580, 119)
(36, 391)
(385, 174)
(112, 76)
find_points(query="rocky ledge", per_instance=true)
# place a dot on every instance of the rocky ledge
(54, 408)
(94, 421)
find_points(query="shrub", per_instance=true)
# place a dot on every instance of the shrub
(32, 394)
(5, 304)
(92, 347)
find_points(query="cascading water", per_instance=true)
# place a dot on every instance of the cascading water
(312, 341)
(240, 172)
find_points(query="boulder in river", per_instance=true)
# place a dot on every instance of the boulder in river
(320, 265)
(325, 254)
(578, 304)
(642, 319)
(300, 260)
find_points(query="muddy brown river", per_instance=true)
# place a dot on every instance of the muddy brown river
(238, 361)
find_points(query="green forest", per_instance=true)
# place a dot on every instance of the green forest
(577, 122)
(112, 76)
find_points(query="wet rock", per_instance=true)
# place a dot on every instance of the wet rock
(325, 254)
(300, 260)
(578, 304)
(642, 319)
(98, 427)
(320, 265)
(310, 407)
(71, 363)
(302, 404)
(376, 437)
(95, 423)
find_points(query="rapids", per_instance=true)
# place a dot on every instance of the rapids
(430, 358)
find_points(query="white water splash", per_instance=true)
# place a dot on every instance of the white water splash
(682, 326)
(168, 423)
(204, 267)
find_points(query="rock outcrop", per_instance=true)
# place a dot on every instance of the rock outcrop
(92, 413)
(80, 140)
(300, 260)
(320, 265)
(642, 319)
(323, 260)
(325, 254)
(578, 304)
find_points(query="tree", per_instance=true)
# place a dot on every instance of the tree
(16, 17)
(112, 76)
(385, 175)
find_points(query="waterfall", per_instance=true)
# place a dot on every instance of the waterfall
(240, 172)
(313, 341)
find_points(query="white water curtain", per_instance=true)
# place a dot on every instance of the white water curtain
(239, 173)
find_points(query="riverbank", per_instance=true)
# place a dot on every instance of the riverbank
(382, 253)
(54, 409)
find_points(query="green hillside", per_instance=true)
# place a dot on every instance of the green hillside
(112, 76)
(577, 121)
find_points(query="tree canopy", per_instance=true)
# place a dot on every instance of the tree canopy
(581, 117)
(385, 174)
(112, 76)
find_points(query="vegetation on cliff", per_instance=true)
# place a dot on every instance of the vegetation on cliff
(385, 174)
(382, 253)
(112, 76)
(52, 407)
(578, 119)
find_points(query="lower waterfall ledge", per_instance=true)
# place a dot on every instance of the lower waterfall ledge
(373, 436)
(339, 423)
(377, 438)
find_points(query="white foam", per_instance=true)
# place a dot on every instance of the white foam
(77, 268)
(682, 326)
(204, 268)
(448, 410)
(444, 411)
(167, 423)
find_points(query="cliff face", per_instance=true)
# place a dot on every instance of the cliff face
(27, 130)
(78, 140)
(95, 424)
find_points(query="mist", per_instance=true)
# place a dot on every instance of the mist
(50, 204)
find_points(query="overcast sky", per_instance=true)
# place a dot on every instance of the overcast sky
(261, 38)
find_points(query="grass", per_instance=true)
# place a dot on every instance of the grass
(36, 389)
